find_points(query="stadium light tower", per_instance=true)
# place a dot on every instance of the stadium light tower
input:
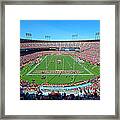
(28, 35)
(78, 35)
(47, 37)
(98, 35)
(72, 36)
(75, 36)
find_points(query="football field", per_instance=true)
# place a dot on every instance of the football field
(59, 69)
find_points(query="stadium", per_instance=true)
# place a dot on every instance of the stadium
(59, 70)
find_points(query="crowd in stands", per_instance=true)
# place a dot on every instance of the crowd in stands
(82, 45)
(32, 91)
(28, 58)
(89, 51)
(50, 44)
(32, 57)
(91, 54)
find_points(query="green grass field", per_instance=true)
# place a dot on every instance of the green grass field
(51, 63)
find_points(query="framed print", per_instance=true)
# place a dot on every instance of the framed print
(62, 56)
(60, 60)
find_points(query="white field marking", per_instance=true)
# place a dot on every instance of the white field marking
(94, 67)
(56, 60)
(63, 63)
(55, 63)
(57, 74)
(69, 64)
(83, 67)
(62, 74)
(48, 62)
(35, 66)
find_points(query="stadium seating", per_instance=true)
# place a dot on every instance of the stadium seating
(31, 91)
(88, 51)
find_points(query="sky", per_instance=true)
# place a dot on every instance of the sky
(59, 29)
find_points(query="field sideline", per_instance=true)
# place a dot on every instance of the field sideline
(48, 65)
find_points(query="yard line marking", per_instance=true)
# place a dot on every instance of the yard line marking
(63, 63)
(62, 74)
(83, 67)
(69, 64)
(94, 67)
(36, 66)
(55, 63)
(58, 74)
(73, 67)
(88, 70)
(48, 61)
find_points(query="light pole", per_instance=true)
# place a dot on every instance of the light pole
(98, 35)
(28, 35)
(47, 37)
